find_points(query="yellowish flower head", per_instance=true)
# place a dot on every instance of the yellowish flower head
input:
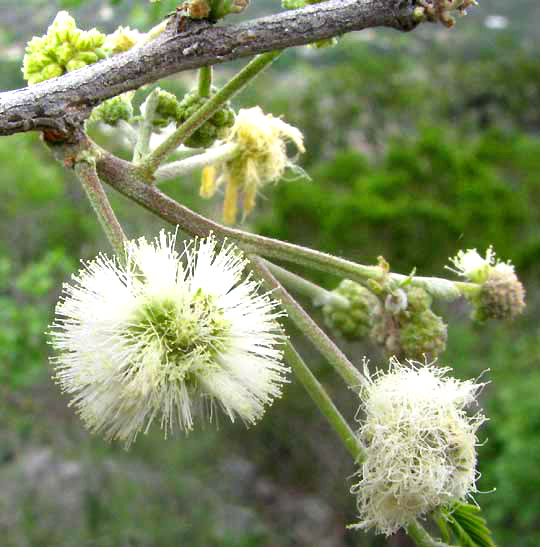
(261, 158)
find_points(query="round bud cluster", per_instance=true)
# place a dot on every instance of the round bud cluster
(213, 129)
(113, 110)
(62, 49)
(419, 445)
(413, 331)
(167, 109)
(355, 321)
(502, 296)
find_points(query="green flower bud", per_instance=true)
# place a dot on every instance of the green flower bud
(422, 333)
(122, 39)
(418, 299)
(168, 105)
(412, 332)
(113, 110)
(87, 57)
(51, 71)
(213, 129)
(75, 64)
(502, 296)
(354, 322)
(62, 49)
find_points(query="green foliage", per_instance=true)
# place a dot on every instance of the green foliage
(463, 522)
(25, 310)
(426, 198)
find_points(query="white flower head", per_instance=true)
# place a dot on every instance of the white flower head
(164, 334)
(419, 444)
(475, 268)
(261, 159)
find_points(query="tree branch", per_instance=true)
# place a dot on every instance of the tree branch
(59, 106)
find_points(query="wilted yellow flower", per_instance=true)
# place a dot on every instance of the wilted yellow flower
(261, 158)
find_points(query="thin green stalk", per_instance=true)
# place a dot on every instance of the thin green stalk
(318, 295)
(128, 180)
(183, 167)
(321, 398)
(86, 173)
(421, 537)
(205, 81)
(145, 130)
(348, 372)
(252, 69)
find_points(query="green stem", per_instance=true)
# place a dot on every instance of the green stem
(210, 107)
(320, 397)
(317, 294)
(145, 130)
(86, 172)
(127, 179)
(421, 537)
(183, 167)
(348, 372)
(205, 81)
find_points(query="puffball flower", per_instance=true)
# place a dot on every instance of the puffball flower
(419, 445)
(163, 334)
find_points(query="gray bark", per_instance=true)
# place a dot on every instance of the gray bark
(60, 106)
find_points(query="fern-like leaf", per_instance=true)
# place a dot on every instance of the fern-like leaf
(464, 523)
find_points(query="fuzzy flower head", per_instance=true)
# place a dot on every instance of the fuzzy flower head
(501, 295)
(261, 158)
(475, 268)
(419, 443)
(164, 334)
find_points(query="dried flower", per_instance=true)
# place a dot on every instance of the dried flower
(261, 158)
(155, 338)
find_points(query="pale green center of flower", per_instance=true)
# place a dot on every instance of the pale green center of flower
(190, 332)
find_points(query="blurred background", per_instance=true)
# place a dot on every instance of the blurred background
(418, 145)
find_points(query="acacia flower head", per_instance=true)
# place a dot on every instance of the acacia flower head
(419, 445)
(501, 294)
(164, 334)
(261, 158)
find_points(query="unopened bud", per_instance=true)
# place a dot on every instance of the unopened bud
(408, 328)
(354, 322)
(502, 296)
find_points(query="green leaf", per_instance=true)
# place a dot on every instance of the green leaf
(464, 523)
